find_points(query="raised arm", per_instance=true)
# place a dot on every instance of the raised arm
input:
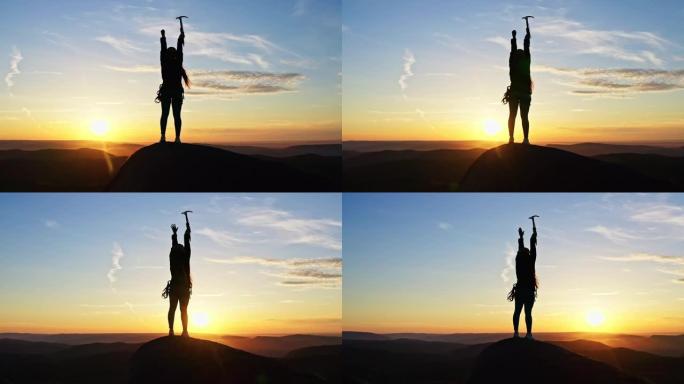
(521, 240)
(514, 42)
(181, 42)
(527, 40)
(533, 242)
(174, 236)
(162, 40)
(186, 238)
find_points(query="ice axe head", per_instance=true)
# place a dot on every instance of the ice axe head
(186, 213)
(533, 217)
(526, 18)
(180, 18)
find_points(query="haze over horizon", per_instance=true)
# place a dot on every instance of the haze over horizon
(261, 72)
(95, 263)
(440, 263)
(437, 70)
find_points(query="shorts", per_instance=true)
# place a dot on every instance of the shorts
(168, 94)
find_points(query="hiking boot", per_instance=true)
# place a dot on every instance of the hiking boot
(163, 139)
(526, 141)
(177, 141)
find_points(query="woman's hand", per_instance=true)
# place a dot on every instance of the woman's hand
(163, 32)
(174, 228)
(521, 233)
(513, 33)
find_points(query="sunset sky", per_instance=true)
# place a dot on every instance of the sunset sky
(437, 70)
(445, 262)
(261, 264)
(263, 71)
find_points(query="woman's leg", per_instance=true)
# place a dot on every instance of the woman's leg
(177, 105)
(516, 315)
(184, 300)
(173, 302)
(512, 112)
(528, 316)
(165, 104)
(524, 112)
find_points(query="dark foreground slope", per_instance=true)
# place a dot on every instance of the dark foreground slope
(531, 168)
(407, 170)
(368, 358)
(165, 359)
(186, 360)
(531, 362)
(57, 170)
(197, 168)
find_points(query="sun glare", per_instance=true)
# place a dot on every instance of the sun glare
(492, 127)
(595, 318)
(99, 128)
(200, 319)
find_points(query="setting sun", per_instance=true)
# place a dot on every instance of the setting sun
(99, 127)
(595, 318)
(200, 319)
(491, 127)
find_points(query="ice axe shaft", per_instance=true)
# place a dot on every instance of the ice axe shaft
(185, 213)
(527, 20)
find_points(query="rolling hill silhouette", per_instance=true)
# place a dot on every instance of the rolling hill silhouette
(187, 360)
(531, 168)
(393, 358)
(406, 170)
(35, 360)
(531, 362)
(198, 168)
(57, 170)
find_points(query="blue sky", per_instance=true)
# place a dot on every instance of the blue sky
(593, 68)
(444, 262)
(262, 70)
(97, 262)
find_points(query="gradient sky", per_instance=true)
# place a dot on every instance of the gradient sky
(445, 262)
(436, 70)
(263, 71)
(261, 264)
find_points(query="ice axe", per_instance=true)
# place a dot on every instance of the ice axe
(527, 20)
(186, 214)
(180, 18)
(532, 218)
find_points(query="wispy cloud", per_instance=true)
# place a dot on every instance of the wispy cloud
(49, 223)
(409, 60)
(117, 255)
(298, 272)
(223, 238)
(616, 235)
(659, 213)
(575, 37)
(15, 59)
(296, 230)
(134, 69)
(500, 41)
(661, 259)
(510, 263)
(618, 81)
(326, 262)
(122, 45)
(444, 226)
(243, 82)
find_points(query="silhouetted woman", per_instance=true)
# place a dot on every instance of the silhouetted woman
(178, 289)
(519, 93)
(171, 92)
(524, 291)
